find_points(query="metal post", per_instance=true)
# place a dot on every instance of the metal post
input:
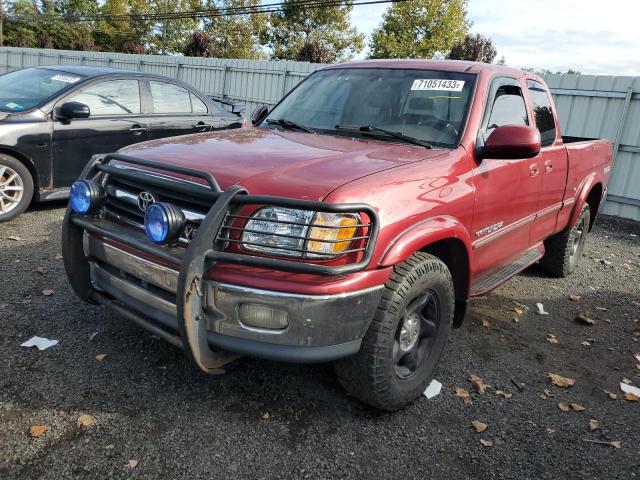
(618, 137)
(284, 81)
(224, 80)
(1, 22)
(164, 30)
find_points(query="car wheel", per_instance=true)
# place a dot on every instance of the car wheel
(406, 337)
(16, 188)
(563, 250)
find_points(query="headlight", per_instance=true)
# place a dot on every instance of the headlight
(163, 223)
(287, 231)
(85, 196)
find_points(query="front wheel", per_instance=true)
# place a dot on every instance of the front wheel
(406, 337)
(16, 188)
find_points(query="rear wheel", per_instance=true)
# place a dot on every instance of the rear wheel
(406, 337)
(16, 188)
(563, 251)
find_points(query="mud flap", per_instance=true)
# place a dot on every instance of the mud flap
(190, 295)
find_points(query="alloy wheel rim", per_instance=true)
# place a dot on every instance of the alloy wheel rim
(578, 236)
(416, 334)
(11, 189)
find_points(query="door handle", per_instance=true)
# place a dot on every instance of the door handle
(548, 166)
(202, 127)
(138, 129)
(533, 169)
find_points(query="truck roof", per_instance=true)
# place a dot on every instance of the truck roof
(462, 66)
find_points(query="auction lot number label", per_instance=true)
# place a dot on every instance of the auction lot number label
(438, 84)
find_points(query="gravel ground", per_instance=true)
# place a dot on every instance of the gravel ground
(269, 420)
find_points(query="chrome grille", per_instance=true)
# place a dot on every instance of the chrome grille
(122, 205)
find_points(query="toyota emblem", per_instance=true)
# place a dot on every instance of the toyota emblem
(144, 200)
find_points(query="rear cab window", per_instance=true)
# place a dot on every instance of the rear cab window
(542, 112)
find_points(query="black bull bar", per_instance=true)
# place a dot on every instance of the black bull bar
(205, 249)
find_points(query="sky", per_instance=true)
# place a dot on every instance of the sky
(591, 36)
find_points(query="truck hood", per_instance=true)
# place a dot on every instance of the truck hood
(283, 163)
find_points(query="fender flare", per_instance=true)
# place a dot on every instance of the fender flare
(587, 185)
(421, 235)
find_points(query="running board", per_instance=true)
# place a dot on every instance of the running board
(490, 280)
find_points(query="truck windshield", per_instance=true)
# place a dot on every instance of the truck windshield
(425, 105)
(25, 89)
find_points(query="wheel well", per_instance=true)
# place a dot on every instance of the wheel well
(22, 159)
(455, 256)
(593, 199)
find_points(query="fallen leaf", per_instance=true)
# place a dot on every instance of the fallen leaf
(551, 429)
(478, 385)
(616, 444)
(47, 292)
(38, 430)
(479, 426)
(85, 421)
(518, 311)
(564, 406)
(627, 381)
(584, 318)
(15, 238)
(631, 397)
(576, 407)
(602, 309)
(58, 256)
(486, 443)
(551, 338)
(486, 323)
(575, 297)
(593, 424)
(612, 395)
(101, 357)
(503, 394)
(584, 343)
(41, 270)
(464, 394)
(132, 463)
(561, 381)
(503, 339)
(266, 416)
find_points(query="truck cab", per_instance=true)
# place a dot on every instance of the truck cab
(351, 224)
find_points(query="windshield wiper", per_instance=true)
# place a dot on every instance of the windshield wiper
(371, 129)
(283, 122)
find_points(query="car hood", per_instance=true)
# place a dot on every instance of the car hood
(282, 163)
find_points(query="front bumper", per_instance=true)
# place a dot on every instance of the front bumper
(321, 327)
(164, 289)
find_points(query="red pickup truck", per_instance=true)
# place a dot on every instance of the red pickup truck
(352, 223)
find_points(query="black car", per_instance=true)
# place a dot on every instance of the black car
(53, 119)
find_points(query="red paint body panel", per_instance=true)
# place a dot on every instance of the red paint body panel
(497, 208)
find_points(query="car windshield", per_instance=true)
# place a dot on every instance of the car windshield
(25, 89)
(426, 105)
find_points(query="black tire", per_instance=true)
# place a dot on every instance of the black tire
(563, 250)
(10, 209)
(380, 374)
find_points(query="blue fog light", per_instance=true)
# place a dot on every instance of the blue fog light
(163, 223)
(85, 196)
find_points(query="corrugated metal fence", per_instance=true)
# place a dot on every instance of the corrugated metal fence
(252, 81)
(589, 106)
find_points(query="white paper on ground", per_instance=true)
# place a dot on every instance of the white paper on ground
(433, 389)
(41, 343)
(541, 310)
(630, 389)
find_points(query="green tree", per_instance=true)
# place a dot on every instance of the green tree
(171, 36)
(420, 29)
(237, 36)
(294, 26)
(201, 45)
(475, 48)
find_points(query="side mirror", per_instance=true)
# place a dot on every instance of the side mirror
(512, 142)
(238, 108)
(259, 114)
(71, 110)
